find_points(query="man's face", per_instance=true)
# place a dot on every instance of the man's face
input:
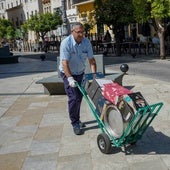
(78, 33)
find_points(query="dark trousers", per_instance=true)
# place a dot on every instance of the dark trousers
(74, 98)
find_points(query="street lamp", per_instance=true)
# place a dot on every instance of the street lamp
(65, 27)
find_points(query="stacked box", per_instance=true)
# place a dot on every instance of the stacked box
(129, 104)
(94, 90)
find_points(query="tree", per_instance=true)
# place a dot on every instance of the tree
(115, 14)
(89, 23)
(156, 12)
(7, 29)
(42, 23)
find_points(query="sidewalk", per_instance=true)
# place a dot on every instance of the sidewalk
(35, 131)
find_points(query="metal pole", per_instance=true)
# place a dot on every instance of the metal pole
(65, 28)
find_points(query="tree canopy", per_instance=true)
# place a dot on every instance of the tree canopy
(157, 13)
(115, 14)
(7, 29)
(42, 23)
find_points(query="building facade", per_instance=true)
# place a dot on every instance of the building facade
(18, 11)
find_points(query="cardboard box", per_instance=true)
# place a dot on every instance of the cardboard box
(94, 88)
(129, 104)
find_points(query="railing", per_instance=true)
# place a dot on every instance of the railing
(80, 1)
(99, 46)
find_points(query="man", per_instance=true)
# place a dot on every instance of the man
(74, 50)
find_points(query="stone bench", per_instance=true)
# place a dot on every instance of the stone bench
(54, 85)
(6, 57)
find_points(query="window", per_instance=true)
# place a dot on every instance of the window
(2, 5)
(21, 17)
(27, 15)
(69, 4)
(17, 23)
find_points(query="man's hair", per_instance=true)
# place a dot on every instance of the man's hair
(76, 24)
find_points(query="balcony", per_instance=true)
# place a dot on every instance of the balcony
(15, 7)
(75, 2)
(46, 1)
(71, 12)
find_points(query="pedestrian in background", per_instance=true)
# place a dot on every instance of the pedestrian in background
(74, 50)
(107, 37)
(155, 39)
(156, 44)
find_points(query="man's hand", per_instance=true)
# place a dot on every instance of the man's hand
(71, 82)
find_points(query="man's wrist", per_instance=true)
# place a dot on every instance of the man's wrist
(69, 78)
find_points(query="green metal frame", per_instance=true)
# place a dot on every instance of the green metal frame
(136, 127)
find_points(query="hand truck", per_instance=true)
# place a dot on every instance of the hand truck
(134, 130)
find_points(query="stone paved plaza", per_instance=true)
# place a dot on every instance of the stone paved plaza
(35, 131)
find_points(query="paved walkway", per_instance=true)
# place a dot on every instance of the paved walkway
(35, 132)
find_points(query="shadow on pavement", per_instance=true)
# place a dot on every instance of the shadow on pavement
(29, 64)
(152, 143)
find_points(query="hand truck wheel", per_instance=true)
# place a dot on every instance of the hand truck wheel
(104, 143)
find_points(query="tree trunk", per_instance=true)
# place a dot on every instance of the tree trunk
(162, 44)
(118, 48)
(159, 27)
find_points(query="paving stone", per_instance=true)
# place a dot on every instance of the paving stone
(30, 119)
(17, 139)
(75, 162)
(44, 147)
(19, 145)
(38, 105)
(35, 130)
(52, 119)
(70, 146)
(12, 161)
(151, 165)
(41, 162)
(49, 133)
(166, 160)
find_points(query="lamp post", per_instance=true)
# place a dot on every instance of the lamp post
(65, 27)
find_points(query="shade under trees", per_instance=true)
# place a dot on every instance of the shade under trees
(115, 14)
(156, 13)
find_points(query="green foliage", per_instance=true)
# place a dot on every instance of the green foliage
(113, 13)
(151, 9)
(87, 27)
(156, 12)
(42, 23)
(159, 8)
(7, 29)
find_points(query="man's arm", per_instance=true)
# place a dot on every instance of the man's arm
(67, 72)
(66, 68)
(93, 65)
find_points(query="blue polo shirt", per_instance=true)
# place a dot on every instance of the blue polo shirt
(75, 53)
